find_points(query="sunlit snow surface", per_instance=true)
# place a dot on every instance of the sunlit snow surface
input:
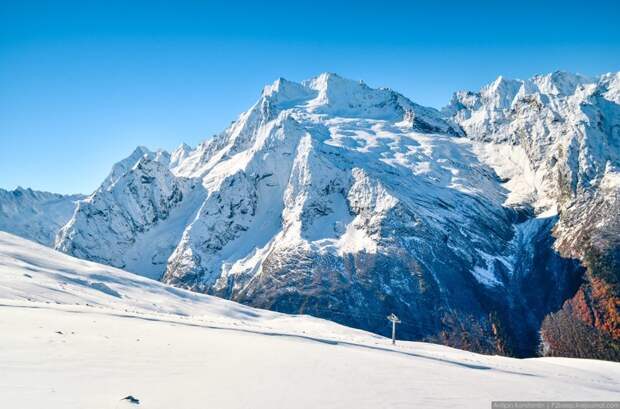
(76, 334)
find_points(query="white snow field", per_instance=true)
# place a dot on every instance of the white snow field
(76, 334)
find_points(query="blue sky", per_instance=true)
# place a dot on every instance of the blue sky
(82, 83)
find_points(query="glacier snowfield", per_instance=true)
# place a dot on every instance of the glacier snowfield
(76, 334)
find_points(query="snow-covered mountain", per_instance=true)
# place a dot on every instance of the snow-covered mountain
(136, 218)
(35, 215)
(566, 126)
(335, 199)
(76, 334)
(564, 130)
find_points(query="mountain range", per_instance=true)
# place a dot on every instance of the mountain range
(490, 225)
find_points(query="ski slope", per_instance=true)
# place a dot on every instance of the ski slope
(76, 334)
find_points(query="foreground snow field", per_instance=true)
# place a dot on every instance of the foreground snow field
(75, 334)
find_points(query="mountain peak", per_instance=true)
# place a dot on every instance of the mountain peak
(140, 150)
(179, 154)
(22, 189)
(285, 92)
(339, 96)
(121, 167)
(183, 147)
(502, 91)
(331, 84)
(329, 93)
(560, 83)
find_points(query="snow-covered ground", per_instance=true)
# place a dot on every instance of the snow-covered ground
(75, 334)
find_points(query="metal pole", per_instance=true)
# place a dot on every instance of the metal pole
(394, 319)
(393, 332)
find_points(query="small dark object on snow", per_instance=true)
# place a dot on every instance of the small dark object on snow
(59, 332)
(131, 399)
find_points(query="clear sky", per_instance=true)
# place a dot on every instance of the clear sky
(84, 82)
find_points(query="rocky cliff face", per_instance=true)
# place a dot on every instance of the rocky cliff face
(331, 198)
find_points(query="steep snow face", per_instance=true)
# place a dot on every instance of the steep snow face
(233, 222)
(133, 220)
(35, 215)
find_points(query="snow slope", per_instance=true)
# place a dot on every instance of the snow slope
(76, 334)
